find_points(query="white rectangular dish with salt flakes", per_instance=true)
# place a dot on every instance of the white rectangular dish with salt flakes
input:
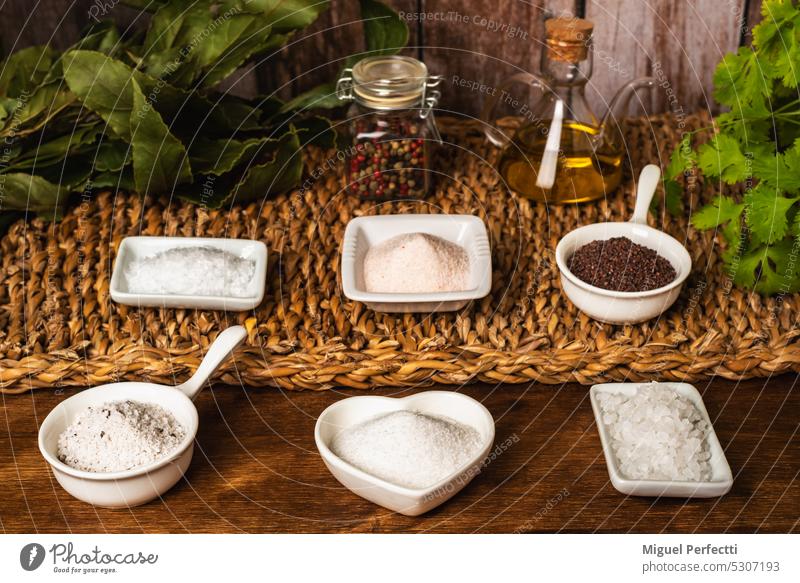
(466, 231)
(720, 478)
(193, 266)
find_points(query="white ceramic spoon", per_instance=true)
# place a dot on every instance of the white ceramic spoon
(139, 485)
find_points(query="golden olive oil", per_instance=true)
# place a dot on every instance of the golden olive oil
(586, 169)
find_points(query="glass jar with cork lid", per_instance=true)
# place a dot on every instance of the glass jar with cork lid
(562, 152)
(392, 126)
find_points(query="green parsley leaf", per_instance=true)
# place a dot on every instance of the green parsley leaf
(758, 147)
(720, 211)
(790, 178)
(742, 83)
(778, 16)
(795, 228)
(722, 156)
(683, 158)
(769, 269)
(745, 130)
(767, 212)
(744, 268)
(787, 63)
(672, 197)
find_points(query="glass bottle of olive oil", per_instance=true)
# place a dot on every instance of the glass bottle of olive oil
(585, 169)
(561, 153)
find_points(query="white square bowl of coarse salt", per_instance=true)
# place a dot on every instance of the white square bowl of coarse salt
(190, 272)
(416, 263)
(658, 440)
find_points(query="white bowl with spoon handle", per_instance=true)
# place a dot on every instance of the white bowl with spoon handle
(617, 307)
(138, 485)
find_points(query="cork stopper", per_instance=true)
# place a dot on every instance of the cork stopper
(568, 38)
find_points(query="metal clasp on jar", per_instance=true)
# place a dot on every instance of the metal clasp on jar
(344, 86)
(430, 98)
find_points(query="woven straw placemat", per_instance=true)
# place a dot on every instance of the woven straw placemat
(59, 327)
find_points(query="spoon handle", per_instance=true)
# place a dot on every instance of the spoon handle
(648, 182)
(547, 167)
(218, 352)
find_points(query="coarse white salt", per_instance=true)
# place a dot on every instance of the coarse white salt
(118, 436)
(410, 449)
(416, 263)
(657, 434)
(199, 271)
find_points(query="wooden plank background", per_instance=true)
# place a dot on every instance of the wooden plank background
(680, 42)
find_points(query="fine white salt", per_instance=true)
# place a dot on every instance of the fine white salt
(118, 436)
(416, 263)
(200, 271)
(657, 434)
(407, 448)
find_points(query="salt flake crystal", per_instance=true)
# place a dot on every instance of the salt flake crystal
(199, 271)
(657, 434)
(407, 448)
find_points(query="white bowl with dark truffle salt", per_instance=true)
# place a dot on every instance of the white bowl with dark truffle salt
(658, 440)
(406, 454)
(190, 272)
(125, 444)
(625, 307)
(416, 263)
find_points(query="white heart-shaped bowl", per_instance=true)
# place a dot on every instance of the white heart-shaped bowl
(409, 501)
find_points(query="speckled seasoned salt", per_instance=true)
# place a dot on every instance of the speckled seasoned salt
(118, 436)
(199, 271)
(407, 448)
(657, 434)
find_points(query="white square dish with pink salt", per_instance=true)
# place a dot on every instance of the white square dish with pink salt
(416, 263)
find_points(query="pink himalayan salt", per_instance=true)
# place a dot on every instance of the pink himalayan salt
(416, 263)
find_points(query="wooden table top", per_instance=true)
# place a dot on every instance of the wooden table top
(256, 469)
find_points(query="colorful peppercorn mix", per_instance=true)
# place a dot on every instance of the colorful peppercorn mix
(387, 164)
(392, 126)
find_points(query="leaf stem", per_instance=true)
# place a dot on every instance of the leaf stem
(794, 103)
